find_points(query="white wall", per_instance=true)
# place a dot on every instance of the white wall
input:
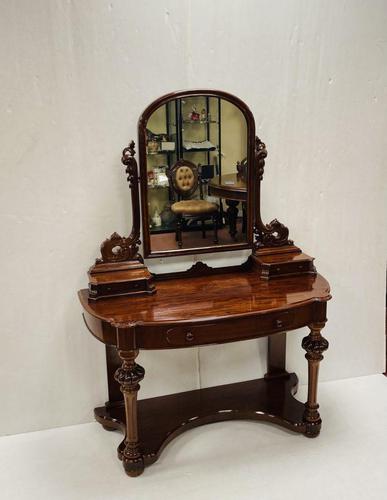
(75, 76)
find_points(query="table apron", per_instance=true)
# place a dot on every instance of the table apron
(222, 331)
(197, 333)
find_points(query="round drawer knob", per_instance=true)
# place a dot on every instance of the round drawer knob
(189, 336)
(279, 323)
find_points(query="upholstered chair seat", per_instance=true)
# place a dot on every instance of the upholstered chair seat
(194, 207)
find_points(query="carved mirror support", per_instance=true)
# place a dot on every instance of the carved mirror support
(274, 234)
(209, 186)
(121, 269)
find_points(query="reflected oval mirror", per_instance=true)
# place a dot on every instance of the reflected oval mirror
(196, 169)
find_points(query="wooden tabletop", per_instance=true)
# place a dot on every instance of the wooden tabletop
(237, 294)
(231, 186)
(230, 181)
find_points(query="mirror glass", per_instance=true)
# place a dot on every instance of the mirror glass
(196, 149)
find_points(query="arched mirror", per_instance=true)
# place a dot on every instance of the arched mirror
(196, 170)
(201, 167)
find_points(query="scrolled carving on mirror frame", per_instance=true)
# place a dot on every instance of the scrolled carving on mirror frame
(275, 234)
(119, 248)
(260, 155)
(121, 269)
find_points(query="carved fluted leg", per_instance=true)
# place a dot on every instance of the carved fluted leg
(128, 376)
(314, 344)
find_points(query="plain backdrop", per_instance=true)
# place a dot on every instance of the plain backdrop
(75, 76)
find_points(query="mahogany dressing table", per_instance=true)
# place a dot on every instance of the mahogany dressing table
(128, 308)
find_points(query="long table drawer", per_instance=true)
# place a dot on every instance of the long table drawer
(221, 331)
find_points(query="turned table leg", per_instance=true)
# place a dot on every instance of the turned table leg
(244, 218)
(128, 376)
(314, 344)
(232, 216)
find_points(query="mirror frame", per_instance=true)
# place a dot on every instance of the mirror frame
(252, 193)
(121, 269)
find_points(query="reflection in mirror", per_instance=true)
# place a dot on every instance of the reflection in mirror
(196, 150)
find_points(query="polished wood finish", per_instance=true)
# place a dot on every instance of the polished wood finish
(110, 280)
(228, 296)
(128, 376)
(161, 419)
(259, 236)
(251, 181)
(314, 344)
(274, 263)
(117, 250)
(236, 305)
(121, 269)
(276, 290)
(113, 362)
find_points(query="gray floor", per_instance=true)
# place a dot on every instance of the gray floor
(230, 460)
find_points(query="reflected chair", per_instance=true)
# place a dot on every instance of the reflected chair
(185, 179)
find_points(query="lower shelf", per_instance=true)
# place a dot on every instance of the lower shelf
(163, 418)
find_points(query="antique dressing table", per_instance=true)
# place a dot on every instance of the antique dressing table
(276, 290)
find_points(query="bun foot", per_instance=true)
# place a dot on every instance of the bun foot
(313, 429)
(133, 467)
(108, 428)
